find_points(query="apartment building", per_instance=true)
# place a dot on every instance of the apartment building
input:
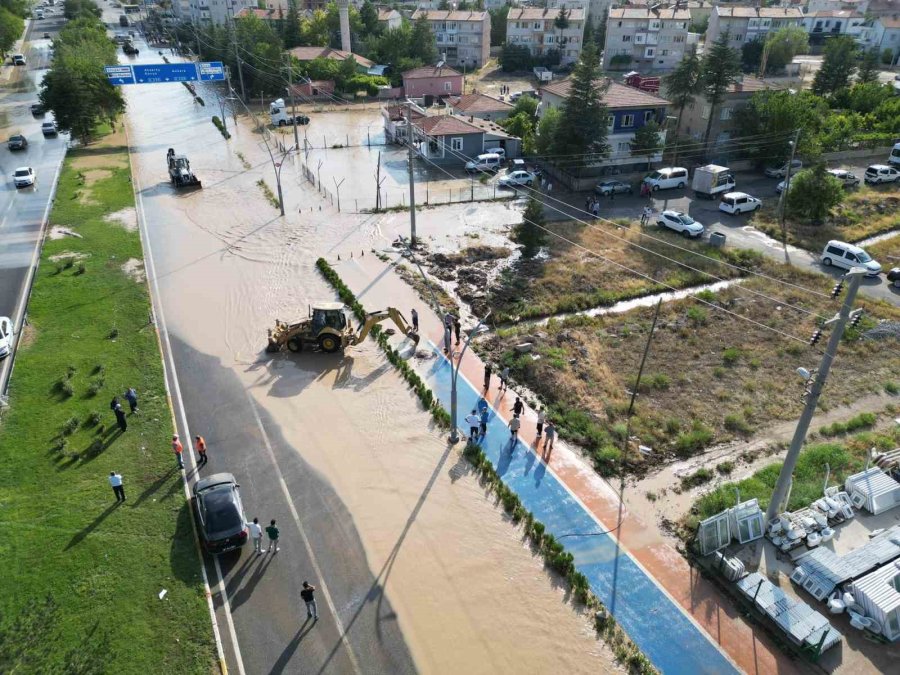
(645, 39)
(746, 24)
(860, 6)
(536, 29)
(464, 38)
(593, 9)
(217, 12)
(832, 22)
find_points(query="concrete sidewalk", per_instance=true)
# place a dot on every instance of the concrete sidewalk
(670, 612)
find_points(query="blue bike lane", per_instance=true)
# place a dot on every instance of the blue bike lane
(669, 638)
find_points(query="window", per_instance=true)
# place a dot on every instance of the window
(456, 143)
(726, 114)
(678, 38)
(704, 113)
(623, 147)
(609, 121)
(650, 51)
(448, 86)
(626, 38)
(664, 52)
(627, 120)
(451, 38)
(648, 115)
(738, 37)
(538, 25)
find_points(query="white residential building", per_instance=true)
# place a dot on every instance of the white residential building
(464, 37)
(217, 12)
(389, 18)
(886, 35)
(813, 6)
(645, 39)
(593, 9)
(536, 29)
(746, 24)
(829, 23)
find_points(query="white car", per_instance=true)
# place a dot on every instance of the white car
(18, 59)
(780, 171)
(736, 203)
(23, 176)
(881, 173)
(847, 179)
(49, 129)
(848, 256)
(6, 336)
(780, 187)
(680, 222)
(514, 178)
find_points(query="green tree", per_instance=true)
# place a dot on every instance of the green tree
(771, 117)
(683, 84)
(72, 9)
(76, 88)
(561, 22)
(314, 30)
(647, 141)
(11, 27)
(498, 25)
(421, 44)
(582, 130)
(546, 132)
(751, 55)
(813, 193)
(368, 15)
(529, 233)
(888, 116)
(527, 105)
(783, 45)
(719, 69)
(869, 66)
(887, 56)
(291, 35)
(863, 97)
(837, 67)
(515, 58)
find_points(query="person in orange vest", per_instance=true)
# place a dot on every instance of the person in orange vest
(201, 449)
(178, 448)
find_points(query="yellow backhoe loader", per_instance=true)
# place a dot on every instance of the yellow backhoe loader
(328, 328)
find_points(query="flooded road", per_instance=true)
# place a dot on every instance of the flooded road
(417, 569)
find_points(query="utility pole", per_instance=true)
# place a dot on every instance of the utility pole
(790, 460)
(412, 185)
(237, 54)
(782, 202)
(291, 94)
(378, 181)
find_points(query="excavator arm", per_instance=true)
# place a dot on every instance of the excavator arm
(373, 318)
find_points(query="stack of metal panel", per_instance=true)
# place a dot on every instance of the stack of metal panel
(824, 569)
(800, 622)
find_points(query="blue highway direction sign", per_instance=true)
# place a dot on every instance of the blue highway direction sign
(153, 73)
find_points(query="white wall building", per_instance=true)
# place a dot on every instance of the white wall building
(653, 39)
(217, 12)
(465, 37)
(860, 6)
(535, 28)
(886, 35)
(829, 23)
(594, 9)
(746, 24)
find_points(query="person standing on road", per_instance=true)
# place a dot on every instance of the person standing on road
(131, 397)
(456, 328)
(518, 407)
(256, 535)
(120, 417)
(414, 315)
(118, 489)
(542, 416)
(646, 215)
(487, 376)
(504, 379)
(309, 597)
(272, 531)
(485, 416)
(551, 434)
(447, 339)
(177, 448)
(201, 450)
(474, 421)
(114, 403)
(514, 425)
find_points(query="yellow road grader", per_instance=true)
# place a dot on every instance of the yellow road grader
(328, 328)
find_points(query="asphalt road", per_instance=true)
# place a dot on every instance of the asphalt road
(739, 234)
(358, 631)
(22, 211)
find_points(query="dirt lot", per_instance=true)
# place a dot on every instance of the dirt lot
(865, 212)
(710, 375)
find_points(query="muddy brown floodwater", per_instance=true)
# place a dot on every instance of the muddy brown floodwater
(469, 595)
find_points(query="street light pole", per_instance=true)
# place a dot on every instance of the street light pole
(454, 432)
(291, 94)
(412, 185)
(782, 202)
(790, 460)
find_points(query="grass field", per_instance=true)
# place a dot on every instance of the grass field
(81, 575)
(865, 212)
(709, 377)
(571, 279)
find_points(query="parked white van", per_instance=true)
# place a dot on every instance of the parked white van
(894, 158)
(487, 162)
(670, 177)
(847, 256)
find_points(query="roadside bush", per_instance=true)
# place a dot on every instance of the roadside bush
(861, 421)
(69, 426)
(693, 441)
(699, 477)
(220, 126)
(730, 356)
(737, 424)
(660, 381)
(697, 315)
(607, 460)
(706, 295)
(725, 468)
(892, 388)
(64, 388)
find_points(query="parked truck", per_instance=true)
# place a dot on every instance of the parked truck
(278, 115)
(712, 180)
(123, 21)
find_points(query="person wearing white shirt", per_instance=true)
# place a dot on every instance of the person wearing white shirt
(118, 489)
(256, 535)
(474, 421)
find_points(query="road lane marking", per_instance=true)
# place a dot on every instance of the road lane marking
(309, 551)
(162, 333)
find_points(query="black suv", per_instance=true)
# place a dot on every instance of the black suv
(217, 504)
(17, 142)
